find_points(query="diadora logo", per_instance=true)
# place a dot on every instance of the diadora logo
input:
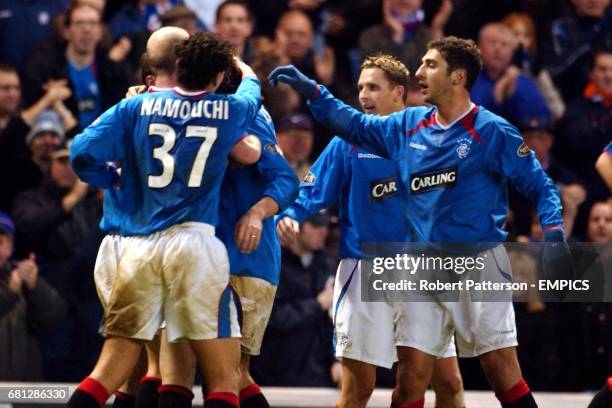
(367, 156)
(423, 182)
(464, 147)
(382, 189)
(417, 146)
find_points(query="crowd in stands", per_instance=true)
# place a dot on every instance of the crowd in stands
(547, 70)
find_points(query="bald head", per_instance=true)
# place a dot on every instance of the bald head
(497, 46)
(296, 29)
(160, 48)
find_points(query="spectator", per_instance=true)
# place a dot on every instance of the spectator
(45, 136)
(574, 40)
(295, 45)
(53, 219)
(501, 87)
(24, 159)
(597, 316)
(56, 220)
(403, 32)
(12, 123)
(180, 16)
(206, 11)
(10, 94)
(26, 24)
(600, 223)
(234, 24)
(268, 12)
(527, 60)
(95, 81)
(585, 130)
(28, 305)
(140, 16)
(539, 137)
(295, 138)
(297, 347)
(294, 37)
(117, 51)
(280, 100)
(536, 321)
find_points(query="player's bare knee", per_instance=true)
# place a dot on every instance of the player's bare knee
(411, 370)
(448, 385)
(501, 367)
(360, 396)
(358, 380)
(225, 379)
(358, 391)
(418, 375)
(495, 360)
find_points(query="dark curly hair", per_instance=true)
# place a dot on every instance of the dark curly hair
(201, 58)
(231, 80)
(460, 53)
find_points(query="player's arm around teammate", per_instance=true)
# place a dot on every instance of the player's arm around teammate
(446, 74)
(108, 140)
(346, 173)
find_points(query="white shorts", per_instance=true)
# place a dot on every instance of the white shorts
(479, 327)
(180, 274)
(365, 331)
(256, 298)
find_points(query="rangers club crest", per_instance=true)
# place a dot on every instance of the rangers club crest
(464, 147)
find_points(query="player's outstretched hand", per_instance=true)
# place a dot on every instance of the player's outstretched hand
(287, 229)
(248, 232)
(293, 77)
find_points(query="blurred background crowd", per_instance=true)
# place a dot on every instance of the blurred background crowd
(547, 69)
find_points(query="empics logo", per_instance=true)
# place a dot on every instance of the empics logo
(382, 189)
(423, 182)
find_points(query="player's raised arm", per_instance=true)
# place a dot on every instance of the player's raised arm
(379, 135)
(100, 143)
(248, 93)
(281, 182)
(247, 150)
(323, 184)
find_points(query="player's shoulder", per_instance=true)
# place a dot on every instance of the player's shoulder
(338, 146)
(412, 115)
(490, 125)
(263, 127)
